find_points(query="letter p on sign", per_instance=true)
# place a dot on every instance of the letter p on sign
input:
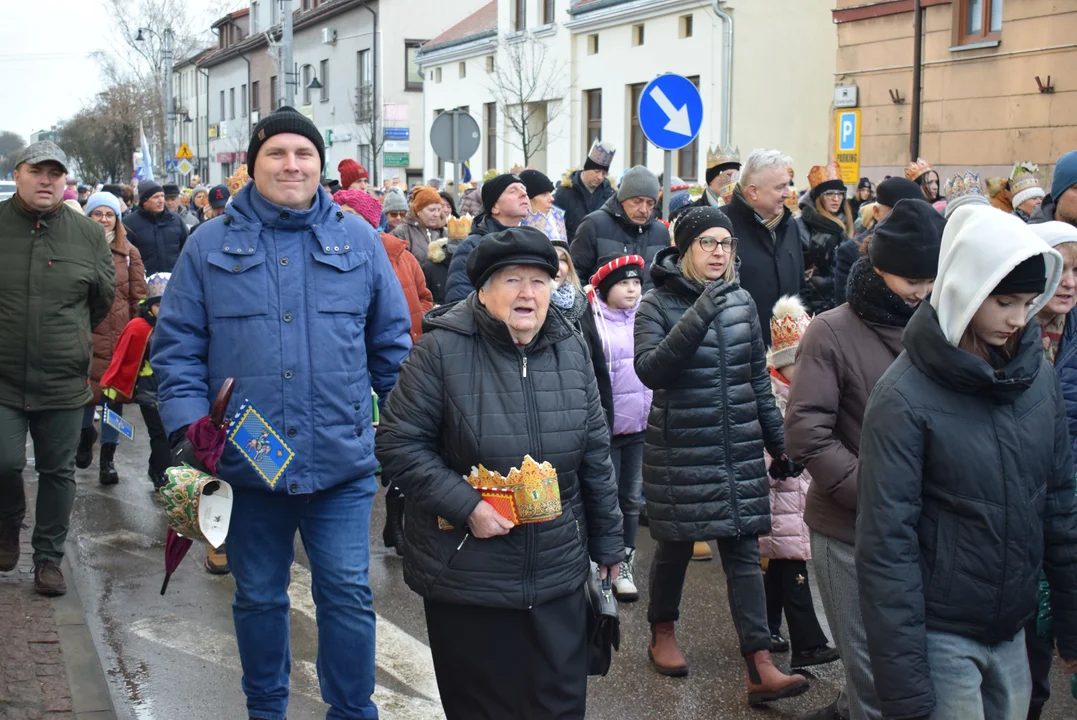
(849, 135)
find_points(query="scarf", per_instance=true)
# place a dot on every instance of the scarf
(871, 299)
(1025, 217)
(771, 224)
(569, 301)
(29, 211)
(1052, 335)
(110, 236)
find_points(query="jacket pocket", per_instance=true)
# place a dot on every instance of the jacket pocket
(340, 284)
(238, 285)
(938, 589)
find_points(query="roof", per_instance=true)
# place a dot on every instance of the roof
(480, 23)
(196, 58)
(243, 12)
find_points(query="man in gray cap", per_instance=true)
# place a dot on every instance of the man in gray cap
(56, 283)
(625, 225)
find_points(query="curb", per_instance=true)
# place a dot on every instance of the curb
(90, 696)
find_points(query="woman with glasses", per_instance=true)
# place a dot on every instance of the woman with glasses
(104, 209)
(827, 219)
(699, 346)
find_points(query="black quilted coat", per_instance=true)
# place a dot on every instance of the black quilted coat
(713, 410)
(467, 395)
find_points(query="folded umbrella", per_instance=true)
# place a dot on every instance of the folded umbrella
(207, 437)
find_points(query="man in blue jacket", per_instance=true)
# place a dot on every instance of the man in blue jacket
(297, 301)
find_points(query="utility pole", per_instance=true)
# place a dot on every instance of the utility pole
(917, 72)
(286, 72)
(170, 148)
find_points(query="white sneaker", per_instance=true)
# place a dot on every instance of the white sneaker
(624, 586)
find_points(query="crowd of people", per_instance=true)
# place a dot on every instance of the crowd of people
(851, 386)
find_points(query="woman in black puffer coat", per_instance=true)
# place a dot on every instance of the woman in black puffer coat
(700, 348)
(826, 216)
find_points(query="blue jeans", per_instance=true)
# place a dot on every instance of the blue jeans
(335, 527)
(974, 681)
(109, 434)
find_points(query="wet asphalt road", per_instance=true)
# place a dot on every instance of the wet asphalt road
(175, 658)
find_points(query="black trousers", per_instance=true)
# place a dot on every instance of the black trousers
(744, 586)
(786, 583)
(496, 664)
(160, 449)
(1040, 654)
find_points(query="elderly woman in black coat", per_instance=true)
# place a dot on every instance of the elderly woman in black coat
(494, 378)
(700, 348)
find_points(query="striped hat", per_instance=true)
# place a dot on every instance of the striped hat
(614, 269)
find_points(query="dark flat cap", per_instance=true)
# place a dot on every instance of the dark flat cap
(515, 246)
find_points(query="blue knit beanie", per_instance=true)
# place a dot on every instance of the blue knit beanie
(102, 199)
(1065, 174)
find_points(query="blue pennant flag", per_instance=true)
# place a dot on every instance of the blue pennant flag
(116, 421)
(467, 172)
(260, 443)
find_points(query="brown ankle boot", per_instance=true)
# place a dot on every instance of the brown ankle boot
(664, 653)
(217, 560)
(9, 546)
(48, 579)
(767, 683)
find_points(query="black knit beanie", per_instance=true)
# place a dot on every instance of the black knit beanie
(906, 243)
(1029, 276)
(694, 222)
(493, 188)
(284, 119)
(536, 183)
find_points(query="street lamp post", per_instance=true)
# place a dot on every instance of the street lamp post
(166, 57)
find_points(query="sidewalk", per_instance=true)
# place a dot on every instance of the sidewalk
(47, 651)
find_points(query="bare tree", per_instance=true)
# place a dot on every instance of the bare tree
(368, 123)
(527, 85)
(11, 144)
(100, 137)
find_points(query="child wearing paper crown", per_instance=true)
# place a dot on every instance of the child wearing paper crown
(787, 548)
(617, 289)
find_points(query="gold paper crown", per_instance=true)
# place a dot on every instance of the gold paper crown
(787, 326)
(793, 199)
(538, 495)
(916, 169)
(965, 185)
(1024, 177)
(721, 155)
(824, 173)
(459, 228)
(239, 179)
(726, 191)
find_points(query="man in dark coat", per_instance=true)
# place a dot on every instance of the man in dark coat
(625, 225)
(57, 282)
(723, 164)
(506, 205)
(1061, 204)
(158, 233)
(769, 250)
(584, 191)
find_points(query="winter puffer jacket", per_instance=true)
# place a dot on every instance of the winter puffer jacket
(130, 288)
(966, 487)
(844, 258)
(467, 395)
(412, 282)
(471, 203)
(1066, 368)
(573, 198)
(789, 537)
(713, 411)
(416, 236)
(824, 237)
(436, 267)
(159, 238)
(608, 231)
(631, 398)
(459, 284)
(1044, 213)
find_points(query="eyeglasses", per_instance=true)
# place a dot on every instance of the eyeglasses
(709, 244)
(834, 193)
(104, 215)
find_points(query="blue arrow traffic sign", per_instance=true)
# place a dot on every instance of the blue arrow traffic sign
(670, 111)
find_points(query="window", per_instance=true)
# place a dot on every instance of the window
(688, 156)
(637, 150)
(592, 44)
(325, 80)
(490, 114)
(222, 105)
(978, 20)
(274, 95)
(306, 4)
(519, 15)
(231, 103)
(308, 74)
(366, 87)
(243, 100)
(489, 63)
(274, 12)
(256, 96)
(463, 69)
(686, 26)
(637, 35)
(593, 101)
(437, 75)
(547, 12)
(413, 76)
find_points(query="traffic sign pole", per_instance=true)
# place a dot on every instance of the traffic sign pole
(667, 183)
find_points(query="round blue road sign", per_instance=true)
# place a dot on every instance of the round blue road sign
(670, 112)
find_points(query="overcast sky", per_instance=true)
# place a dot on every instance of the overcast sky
(46, 72)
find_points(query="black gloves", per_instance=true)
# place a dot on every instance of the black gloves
(183, 450)
(782, 468)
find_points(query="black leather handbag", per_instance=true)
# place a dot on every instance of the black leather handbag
(603, 625)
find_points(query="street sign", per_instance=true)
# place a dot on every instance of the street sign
(454, 136)
(396, 159)
(185, 167)
(171, 166)
(396, 146)
(392, 133)
(670, 111)
(847, 141)
(845, 96)
(184, 152)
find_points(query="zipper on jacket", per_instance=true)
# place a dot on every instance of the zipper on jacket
(530, 544)
(725, 426)
(523, 367)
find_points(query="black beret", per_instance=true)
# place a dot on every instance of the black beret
(515, 246)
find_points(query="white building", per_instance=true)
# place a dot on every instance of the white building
(189, 90)
(606, 51)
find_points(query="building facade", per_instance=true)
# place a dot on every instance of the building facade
(603, 52)
(997, 82)
(189, 88)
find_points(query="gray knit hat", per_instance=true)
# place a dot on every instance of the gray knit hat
(395, 202)
(638, 182)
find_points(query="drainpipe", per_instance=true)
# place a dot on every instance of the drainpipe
(917, 71)
(727, 71)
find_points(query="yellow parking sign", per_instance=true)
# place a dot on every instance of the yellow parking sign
(847, 144)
